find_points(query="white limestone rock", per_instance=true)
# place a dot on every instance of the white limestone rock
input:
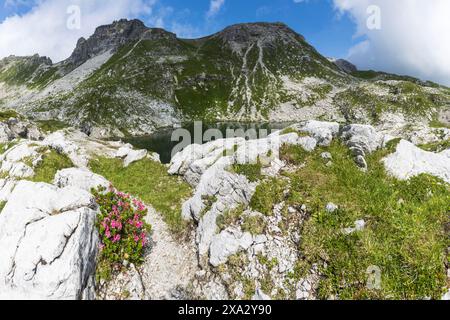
(362, 139)
(63, 142)
(323, 132)
(79, 178)
(230, 191)
(326, 156)
(446, 296)
(331, 207)
(409, 161)
(260, 296)
(307, 143)
(15, 160)
(6, 188)
(359, 226)
(129, 155)
(49, 243)
(228, 243)
(5, 133)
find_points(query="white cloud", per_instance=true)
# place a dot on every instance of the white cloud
(214, 7)
(413, 39)
(44, 30)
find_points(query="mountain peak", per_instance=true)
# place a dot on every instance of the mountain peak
(258, 31)
(112, 36)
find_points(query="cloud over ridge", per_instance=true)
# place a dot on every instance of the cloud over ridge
(43, 29)
(414, 38)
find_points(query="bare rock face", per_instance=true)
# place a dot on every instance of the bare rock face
(111, 37)
(49, 243)
(409, 161)
(345, 66)
(247, 33)
(79, 178)
(15, 128)
(362, 140)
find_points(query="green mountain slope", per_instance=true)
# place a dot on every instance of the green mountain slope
(149, 78)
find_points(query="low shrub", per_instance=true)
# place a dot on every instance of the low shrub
(122, 230)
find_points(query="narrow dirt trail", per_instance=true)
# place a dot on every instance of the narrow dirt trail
(170, 265)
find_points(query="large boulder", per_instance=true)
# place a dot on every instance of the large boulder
(66, 142)
(49, 243)
(15, 128)
(409, 161)
(16, 160)
(229, 191)
(79, 178)
(362, 140)
(5, 133)
(323, 132)
(129, 155)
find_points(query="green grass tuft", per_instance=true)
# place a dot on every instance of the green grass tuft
(51, 163)
(251, 171)
(405, 233)
(267, 195)
(149, 181)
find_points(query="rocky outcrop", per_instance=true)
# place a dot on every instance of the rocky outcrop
(79, 178)
(129, 155)
(112, 37)
(362, 140)
(246, 34)
(208, 168)
(48, 242)
(15, 128)
(19, 160)
(409, 161)
(229, 254)
(227, 243)
(322, 132)
(81, 148)
(345, 65)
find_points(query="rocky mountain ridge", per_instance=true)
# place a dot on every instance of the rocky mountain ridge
(130, 79)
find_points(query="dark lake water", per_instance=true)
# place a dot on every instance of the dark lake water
(161, 141)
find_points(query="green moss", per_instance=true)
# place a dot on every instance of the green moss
(229, 217)
(270, 264)
(435, 123)
(2, 205)
(50, 126)
(256, 225)
(292, 130)
(251, 171)
(391, 146)
(436, 146)
(149, 181)
(51, 163)
(293, 154)
(5, 115)
(267, 195)
(6, 146)
(208, 201)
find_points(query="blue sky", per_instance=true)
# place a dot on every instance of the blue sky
(331, 33)
(315, 19)
(413, 37)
